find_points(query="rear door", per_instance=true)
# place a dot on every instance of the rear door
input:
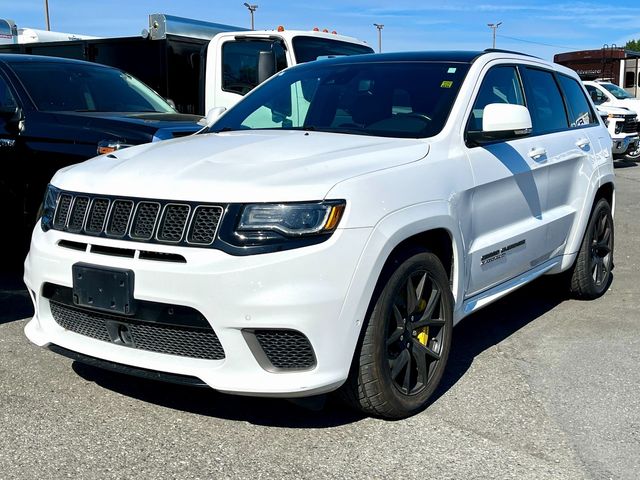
(583, 145)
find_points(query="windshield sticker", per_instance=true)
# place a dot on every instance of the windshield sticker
(452, 70)
(446, 84)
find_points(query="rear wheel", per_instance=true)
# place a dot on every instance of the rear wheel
(591, 272)
(404, 349)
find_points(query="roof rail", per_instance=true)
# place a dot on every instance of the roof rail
(499, 50)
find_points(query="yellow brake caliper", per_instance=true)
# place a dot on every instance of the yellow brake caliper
(423, 332)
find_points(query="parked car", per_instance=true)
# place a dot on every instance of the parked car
(623, 128)
(56, 112)
(330, 229)
(623, 109)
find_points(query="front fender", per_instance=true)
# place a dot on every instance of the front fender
(385, 236)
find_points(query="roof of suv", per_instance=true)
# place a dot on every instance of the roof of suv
(10, 58)
(457, 56)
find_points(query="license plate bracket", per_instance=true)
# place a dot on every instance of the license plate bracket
(106, 289)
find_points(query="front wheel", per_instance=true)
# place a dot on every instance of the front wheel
(406, 342)
(591, 272)
(633, 155)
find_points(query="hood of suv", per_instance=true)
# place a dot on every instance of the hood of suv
(240, 166)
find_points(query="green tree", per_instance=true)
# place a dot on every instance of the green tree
(633, 45)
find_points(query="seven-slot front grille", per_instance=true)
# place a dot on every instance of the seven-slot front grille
(142, 220)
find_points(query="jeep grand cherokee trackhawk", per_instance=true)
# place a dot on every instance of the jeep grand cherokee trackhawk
(330, 229)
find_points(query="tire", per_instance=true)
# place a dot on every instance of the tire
(591, 273)
(634, 155)
(406, 339)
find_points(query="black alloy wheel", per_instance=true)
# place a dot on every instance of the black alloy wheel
(591, 272)
(405, 341)
(601, 248)
(415, 331)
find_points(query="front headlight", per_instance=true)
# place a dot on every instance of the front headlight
(291, 219)
(249, 229)
(49, 207)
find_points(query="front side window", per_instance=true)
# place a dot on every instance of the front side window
(404, 99)
(596, 95)
(546, 106)
(240, 63)
(580, 113)
(500, 85)
(616, 91)
(78, 87)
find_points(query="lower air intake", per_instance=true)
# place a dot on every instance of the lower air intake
(282, 349)
(151, 336)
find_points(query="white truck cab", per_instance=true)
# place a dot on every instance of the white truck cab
(611, 95)
(238, 61)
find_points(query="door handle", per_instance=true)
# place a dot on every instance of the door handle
(536, 153)
(582, 142)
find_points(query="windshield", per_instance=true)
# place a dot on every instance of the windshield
(395, 99)
(616, 91)
(307, 49)
(74, 87)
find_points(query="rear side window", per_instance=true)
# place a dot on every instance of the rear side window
(546, 106)
(629, 80)
(580, 113)
(500, 85)
(240, 63)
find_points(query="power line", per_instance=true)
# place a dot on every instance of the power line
(539, 43)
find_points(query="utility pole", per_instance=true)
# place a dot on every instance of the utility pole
(379, 26)
(252, 9)
(494, 27)
(46, 14)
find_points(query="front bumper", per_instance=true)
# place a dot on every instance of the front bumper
(303, 289)
(622, 145)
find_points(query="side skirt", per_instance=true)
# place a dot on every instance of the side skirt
(480, 300)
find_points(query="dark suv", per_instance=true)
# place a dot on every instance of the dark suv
(55, 112)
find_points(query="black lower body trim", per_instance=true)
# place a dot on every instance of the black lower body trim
(128, 370)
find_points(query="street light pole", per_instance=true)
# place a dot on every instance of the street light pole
(46, 14)
(252, 9)
(494, 27)
(379, 26)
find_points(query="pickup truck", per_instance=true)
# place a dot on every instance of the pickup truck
(55, 112)
(201, 65)
(623, 128)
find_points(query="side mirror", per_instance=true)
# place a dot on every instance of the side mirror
(503, 121)
(266, 65)
(11, 117)
(212, 116)
(171, 103)
(504, 117)
(10, 113)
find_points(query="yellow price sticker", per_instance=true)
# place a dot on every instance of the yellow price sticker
(446, 84)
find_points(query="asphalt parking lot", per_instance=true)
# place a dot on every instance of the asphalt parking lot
(537, 386)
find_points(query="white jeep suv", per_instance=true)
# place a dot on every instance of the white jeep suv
(330, 230)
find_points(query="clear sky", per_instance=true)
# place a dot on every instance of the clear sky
(541, 28)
